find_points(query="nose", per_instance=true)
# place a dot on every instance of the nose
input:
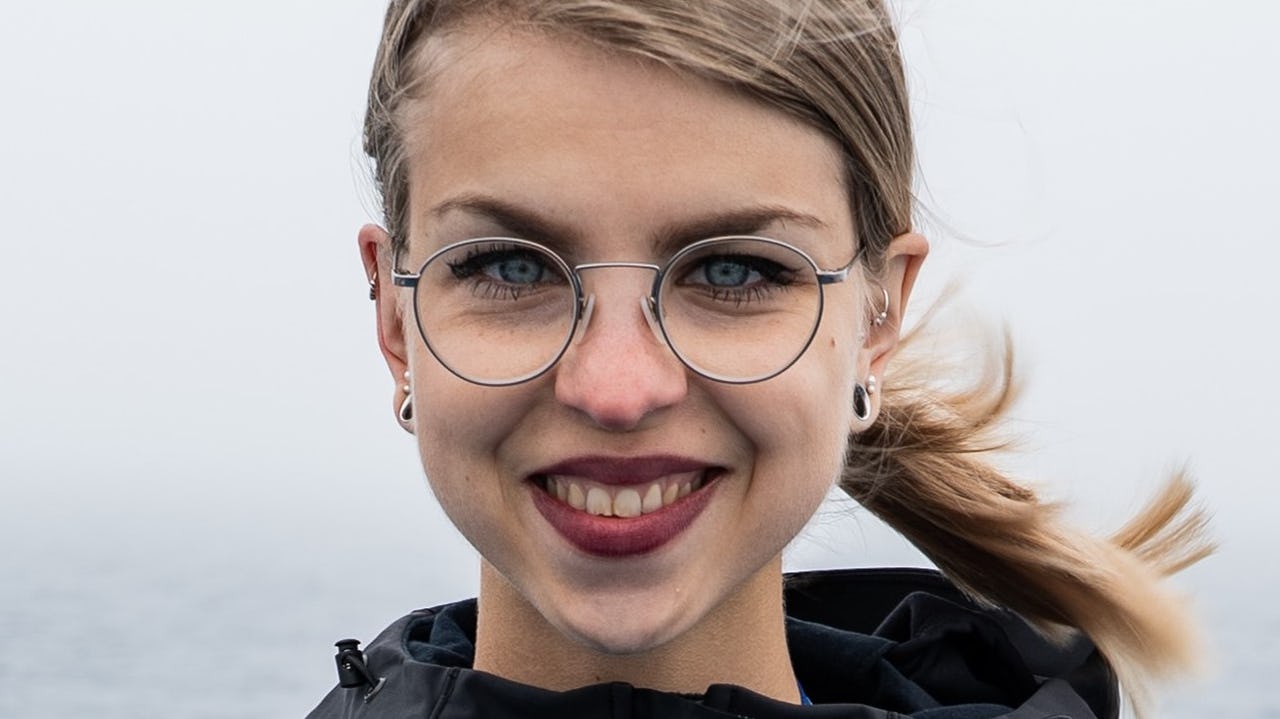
(618, 371)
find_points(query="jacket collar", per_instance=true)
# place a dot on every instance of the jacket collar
(865, 644)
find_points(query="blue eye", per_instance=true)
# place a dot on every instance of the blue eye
(726, 272)
(737, 271)
(504, 272)
(516, 267)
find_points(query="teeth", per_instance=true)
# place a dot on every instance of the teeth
(625, 502)
(599, 503)
(672, 493)
(652, 499)
(576, 498)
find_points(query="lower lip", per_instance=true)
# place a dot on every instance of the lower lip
(622, 537)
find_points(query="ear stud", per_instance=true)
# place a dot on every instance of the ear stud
(406, 407)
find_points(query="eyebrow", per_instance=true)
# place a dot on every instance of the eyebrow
(749, 220)
(529, 225)
(523, 223)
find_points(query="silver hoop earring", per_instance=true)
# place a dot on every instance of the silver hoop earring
(373, 286)
(861, 402)
(883, 314)
(406, 407)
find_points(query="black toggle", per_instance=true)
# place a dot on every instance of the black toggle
(352, 672)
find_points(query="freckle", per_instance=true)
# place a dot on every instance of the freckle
(833, 341)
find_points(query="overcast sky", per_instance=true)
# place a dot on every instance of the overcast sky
(190, 392)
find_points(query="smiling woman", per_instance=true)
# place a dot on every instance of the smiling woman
(640, 289)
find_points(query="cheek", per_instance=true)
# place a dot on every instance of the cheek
(798, 423)
(827, 374)
(799, 453)
(460, 429)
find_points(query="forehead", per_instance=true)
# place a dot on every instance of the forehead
(602, 141)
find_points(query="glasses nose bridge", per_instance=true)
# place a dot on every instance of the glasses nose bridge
(579, 269)
(586, 300)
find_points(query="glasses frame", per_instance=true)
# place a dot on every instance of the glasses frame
(653, 300)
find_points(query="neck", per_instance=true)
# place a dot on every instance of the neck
(742, 641)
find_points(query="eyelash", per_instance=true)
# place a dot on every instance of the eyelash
(775, 276)
(745, 295)
(470, 269)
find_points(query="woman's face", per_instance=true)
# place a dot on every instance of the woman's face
(613, 158)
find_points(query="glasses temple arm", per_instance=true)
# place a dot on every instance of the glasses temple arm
(402, 280)
(831, 277)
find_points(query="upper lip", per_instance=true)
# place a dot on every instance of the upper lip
(624, 470)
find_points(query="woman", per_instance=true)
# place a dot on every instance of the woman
(640, 288)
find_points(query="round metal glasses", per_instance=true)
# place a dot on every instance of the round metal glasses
(499, 311)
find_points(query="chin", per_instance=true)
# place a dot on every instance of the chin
(619, 638)
(616, 626)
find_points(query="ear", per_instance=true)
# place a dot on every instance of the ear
(903, 259)
(376, 254)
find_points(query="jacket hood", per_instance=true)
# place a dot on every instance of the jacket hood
(864, 643)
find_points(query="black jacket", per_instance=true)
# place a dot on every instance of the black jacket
(865, 644)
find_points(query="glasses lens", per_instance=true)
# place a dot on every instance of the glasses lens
(740, 309)
(495, 311)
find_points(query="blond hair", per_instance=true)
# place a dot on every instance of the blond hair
(923, 466)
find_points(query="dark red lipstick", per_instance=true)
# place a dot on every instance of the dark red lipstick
(607, 536)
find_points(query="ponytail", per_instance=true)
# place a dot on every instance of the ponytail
(923, 468)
